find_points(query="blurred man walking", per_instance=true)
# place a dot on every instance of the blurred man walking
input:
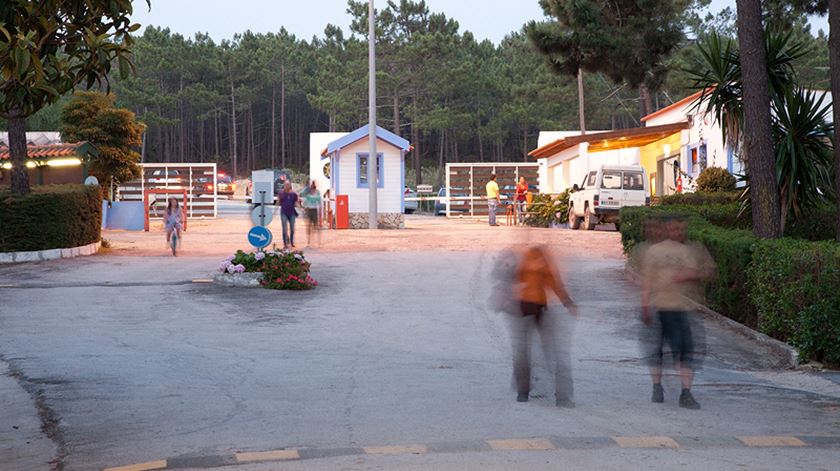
(493, 198)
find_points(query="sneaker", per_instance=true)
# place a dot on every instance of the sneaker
(522, 397)
(658, 395)
(687, 401)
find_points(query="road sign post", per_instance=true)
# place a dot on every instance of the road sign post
(261, 215)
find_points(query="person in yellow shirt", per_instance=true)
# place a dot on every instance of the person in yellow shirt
(493, 199)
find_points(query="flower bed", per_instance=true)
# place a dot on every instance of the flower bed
(281, 269)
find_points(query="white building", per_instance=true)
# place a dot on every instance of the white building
(347, 156)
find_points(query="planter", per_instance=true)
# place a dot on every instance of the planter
(239, 280)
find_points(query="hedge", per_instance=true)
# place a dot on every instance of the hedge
(700, 198)
(50, 217)
(795, 285)
(725, 216)
(786, 288)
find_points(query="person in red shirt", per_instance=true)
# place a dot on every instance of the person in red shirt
(520, 199)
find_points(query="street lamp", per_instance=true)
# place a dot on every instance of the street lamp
(373, 160)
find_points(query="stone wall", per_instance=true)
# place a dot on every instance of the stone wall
(386, 221)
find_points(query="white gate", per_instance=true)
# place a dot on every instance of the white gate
(199, 181)
(466, 195)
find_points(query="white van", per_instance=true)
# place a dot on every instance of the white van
(604, 192)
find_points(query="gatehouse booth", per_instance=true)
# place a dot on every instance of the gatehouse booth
(346, 157)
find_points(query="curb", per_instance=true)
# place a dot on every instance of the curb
(515, 445)
(787, 355)
(51, 254)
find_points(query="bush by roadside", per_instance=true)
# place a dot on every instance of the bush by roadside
(700, 198)
(794, 285)
(50, 217)
(545, 210)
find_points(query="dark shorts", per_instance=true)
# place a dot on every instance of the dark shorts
(675, 329)
(312, 215)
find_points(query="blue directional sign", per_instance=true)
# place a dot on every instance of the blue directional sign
(260, 237)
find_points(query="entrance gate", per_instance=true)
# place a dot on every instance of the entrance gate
(466, 182)
(197, 180)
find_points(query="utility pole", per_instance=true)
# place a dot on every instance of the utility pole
(373, 160)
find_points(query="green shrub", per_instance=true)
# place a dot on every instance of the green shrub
(50, 217)
(795, 288)
(732, 250)
(815, 224)
(715, 179)
(700, 198)
(547, 209)
(632, 218)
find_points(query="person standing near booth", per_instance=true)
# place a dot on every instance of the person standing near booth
(492, 198)
(288, 200)
(312, 206)
(521, 198)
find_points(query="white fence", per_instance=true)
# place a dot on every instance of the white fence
(199, 181)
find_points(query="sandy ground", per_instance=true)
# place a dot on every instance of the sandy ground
(422, 233)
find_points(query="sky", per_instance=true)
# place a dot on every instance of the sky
(486, 19)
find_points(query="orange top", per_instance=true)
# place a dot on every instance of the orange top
(536, 275)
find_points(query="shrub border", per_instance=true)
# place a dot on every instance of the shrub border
(50, 254)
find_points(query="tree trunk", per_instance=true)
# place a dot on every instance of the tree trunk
(415, 137)
(216, 136)
(834, 58)
(581, 108)
(273, 126)
(645, 101)
(17, 152)
(283, 116)
(525, 145)
(396, 114)
(480, 142)
(233, 161)
(180, 121)
(758, 142)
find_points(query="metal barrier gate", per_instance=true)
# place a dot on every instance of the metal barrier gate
(466, 194)
(198, 180)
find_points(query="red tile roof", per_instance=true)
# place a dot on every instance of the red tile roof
(49, 151)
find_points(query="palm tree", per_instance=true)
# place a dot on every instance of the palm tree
(800, 133)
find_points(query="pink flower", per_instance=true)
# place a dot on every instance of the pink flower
(259, 256)
(239, 268)
(231, 268)
(224, 266)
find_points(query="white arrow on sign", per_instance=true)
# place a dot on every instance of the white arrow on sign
(260, 237)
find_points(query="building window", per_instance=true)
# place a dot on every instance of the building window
(362, 170)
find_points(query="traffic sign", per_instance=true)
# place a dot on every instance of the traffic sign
(262, 215)
(259, 236)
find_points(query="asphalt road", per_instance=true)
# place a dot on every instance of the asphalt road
(129, 361)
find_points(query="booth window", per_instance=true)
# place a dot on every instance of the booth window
(362, 170)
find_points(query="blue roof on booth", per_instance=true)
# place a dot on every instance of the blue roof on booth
(362, 133)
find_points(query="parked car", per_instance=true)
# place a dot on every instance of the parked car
(440, 203)
(410, 206)
(166, 177)
(224, 186)
(603, 192)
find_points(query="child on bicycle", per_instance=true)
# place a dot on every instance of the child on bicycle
(172, 219)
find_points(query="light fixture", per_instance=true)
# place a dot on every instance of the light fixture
(64, 162)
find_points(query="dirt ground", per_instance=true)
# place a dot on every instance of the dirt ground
(422, 233)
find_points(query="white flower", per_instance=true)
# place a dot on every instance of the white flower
(259, 256)
(298, 256)
(224, 266)
(231, 269)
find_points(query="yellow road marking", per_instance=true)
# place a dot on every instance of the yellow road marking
(8, 286)
(202, 280)
(395, 450)
(763, 441)
(531, 444)
(151, 465)
(646, 442)
(276, 455)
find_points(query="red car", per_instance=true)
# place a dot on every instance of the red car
(224, 186)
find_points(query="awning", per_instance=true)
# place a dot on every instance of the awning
(611, 140)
